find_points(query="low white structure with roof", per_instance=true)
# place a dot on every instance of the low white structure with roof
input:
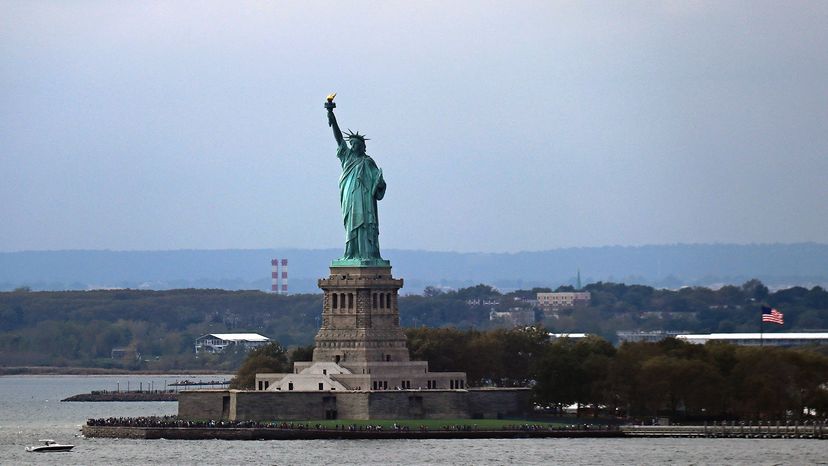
(218, 342)
(554, 336)
(755, 339)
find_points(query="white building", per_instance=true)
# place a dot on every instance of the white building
(217, 342)
(564, 299)
(555, 336)
(650, 336)
(756, 339)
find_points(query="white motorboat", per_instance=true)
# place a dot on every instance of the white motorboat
(50, 445)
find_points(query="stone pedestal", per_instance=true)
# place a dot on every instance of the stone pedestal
(360, 345)
(360, 318)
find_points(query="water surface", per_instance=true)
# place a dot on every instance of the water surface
(30, 409)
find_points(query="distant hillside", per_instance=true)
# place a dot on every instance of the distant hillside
(777, 265)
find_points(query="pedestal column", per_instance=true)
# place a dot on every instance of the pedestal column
(360, 318)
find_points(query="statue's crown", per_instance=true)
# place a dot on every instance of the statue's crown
(356, 135)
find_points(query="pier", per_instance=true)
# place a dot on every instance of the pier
(106, 395)
(201, 383)
(150, 394)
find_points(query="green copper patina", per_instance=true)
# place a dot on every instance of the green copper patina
(360, 187)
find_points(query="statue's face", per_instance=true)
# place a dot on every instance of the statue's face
(358, 146)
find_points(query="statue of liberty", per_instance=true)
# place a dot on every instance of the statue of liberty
(360, 187)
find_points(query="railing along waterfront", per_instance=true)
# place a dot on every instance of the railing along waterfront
(808, 429)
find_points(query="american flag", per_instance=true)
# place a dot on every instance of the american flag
(772, 315)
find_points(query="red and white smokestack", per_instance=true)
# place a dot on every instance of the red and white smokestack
(284, 276)
(274, 275)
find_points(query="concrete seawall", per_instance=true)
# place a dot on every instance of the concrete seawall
(813, 431)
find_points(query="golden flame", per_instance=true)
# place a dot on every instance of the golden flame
(331, 97)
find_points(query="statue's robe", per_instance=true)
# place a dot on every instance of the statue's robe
(360, 187)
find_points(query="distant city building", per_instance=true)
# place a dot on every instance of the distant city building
(516, 317)
(652, 336)
(482, 302)
(530, 301)
(218, 342)
(755, 339)
(564, 299)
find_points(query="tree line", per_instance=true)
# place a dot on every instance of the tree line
(671, 377)
(81, 328)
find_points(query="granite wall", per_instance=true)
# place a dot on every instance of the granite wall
(391, 404)
(204, 404)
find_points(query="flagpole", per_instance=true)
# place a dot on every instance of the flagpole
(761, 327)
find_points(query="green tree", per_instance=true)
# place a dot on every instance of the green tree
(431, 291)
(755, 290)
(268, 358)
(764, 383)
(302, 353)
(596, 356)
(558, 374)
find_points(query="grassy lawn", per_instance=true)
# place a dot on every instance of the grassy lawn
(430, 423)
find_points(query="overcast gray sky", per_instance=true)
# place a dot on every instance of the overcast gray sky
(500, 126)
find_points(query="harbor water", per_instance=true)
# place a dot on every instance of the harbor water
(30, 409)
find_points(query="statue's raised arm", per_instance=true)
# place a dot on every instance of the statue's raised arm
(330, 105)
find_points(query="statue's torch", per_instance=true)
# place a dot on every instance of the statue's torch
(329, 103)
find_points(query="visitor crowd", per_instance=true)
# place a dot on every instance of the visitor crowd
(174, 421)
